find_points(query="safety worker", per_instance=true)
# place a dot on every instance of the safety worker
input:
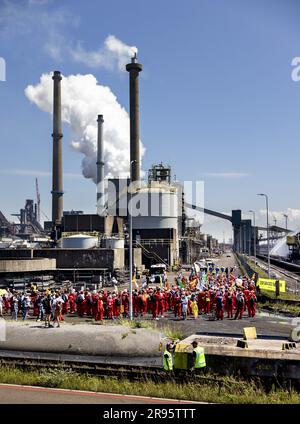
(198, 356)
(167, 360)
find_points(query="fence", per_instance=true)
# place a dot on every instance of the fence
(248, 269)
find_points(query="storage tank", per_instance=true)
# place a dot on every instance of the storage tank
(155, 208)
(78, 241)
(113, 243)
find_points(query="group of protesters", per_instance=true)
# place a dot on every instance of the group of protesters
(216, 293)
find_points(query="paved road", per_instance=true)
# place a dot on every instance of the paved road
(266, 324)
(14, 394)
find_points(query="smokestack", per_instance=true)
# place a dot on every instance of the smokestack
(57, 175)
(134, 68)
(100, 168)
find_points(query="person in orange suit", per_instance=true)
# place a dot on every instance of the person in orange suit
(100, 309)
(72, 302)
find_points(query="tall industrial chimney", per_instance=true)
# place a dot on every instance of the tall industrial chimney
(57, 173)
(100, 168)
(134, 68)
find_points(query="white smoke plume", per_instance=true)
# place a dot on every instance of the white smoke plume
(83, 98)
(293, 215)
(114, 53)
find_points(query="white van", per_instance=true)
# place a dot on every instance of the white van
(158, 270)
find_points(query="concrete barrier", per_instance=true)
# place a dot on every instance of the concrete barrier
(102, 340)
(27, 265)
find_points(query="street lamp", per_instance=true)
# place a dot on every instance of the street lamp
(286, 220)
(130, 245)
(254, 238)
(268, 235)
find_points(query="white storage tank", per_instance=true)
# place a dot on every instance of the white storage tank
(78, 241)
(113, 243)
(155, 208)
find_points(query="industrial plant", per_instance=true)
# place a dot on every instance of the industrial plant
(151, 216)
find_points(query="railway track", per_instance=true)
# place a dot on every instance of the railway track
(31, 361)
(294, 270)
(284, 269)
(34, 361)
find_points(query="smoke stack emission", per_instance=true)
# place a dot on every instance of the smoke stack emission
(57, 175)
(100, 168)
(134, 69)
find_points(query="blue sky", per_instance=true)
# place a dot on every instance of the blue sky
(217, 99)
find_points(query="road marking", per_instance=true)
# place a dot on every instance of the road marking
(90, 393)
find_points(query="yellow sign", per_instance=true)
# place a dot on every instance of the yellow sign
(249, 333)
(270, 284)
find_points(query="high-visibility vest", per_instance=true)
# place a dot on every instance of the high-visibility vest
(200, 357)
(167, 362)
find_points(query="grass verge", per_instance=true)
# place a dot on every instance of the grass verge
(170, 330)
(279, 308)
(231, 391)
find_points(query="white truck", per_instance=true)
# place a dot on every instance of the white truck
(158, 273)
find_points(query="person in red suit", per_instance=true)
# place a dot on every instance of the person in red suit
(220, 306)
(88, 303)
(99, 309)
(116, 305)
(140, 303)
(34, 300)
(125, 303)
(229, 304)
(247, 298)
(135, 302)
(150, 301)
(159, 296)
(72, 302)
(178, 306)
(80, 304)
(154, 304)
(240, 304)
(167, 299)
(252, 303)
(104, 295)
(201, 301)
(109, 306)
(173, 298)
(95, 298)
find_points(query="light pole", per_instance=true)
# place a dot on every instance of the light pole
(254, 238)
(268, 235)
(130, 245)
(286, 220)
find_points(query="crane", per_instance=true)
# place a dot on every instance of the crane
(38, 201)
(47, 217)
